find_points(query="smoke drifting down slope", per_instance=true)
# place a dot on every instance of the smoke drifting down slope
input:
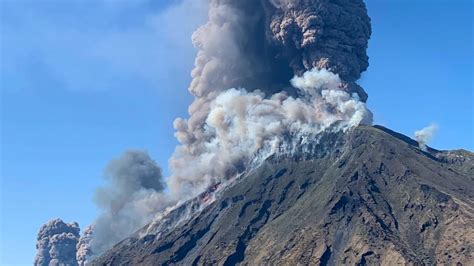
(245, 103)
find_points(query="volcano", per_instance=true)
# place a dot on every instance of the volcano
(365, 196)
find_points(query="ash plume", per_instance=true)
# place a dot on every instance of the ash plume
(263, 44)
(248, 52)
(56, 244)
(424, 135)
(264, 69)
(131, 197)
(322, 34)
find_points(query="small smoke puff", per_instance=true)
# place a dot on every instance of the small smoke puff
(426, 134)
(133, 194)
(316, 79)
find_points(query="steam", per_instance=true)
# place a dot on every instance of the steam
(424, 135)
(131, 197)
(56, 243)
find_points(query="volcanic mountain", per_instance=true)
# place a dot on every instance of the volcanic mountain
(364, 196)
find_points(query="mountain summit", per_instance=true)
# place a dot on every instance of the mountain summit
(365, 196)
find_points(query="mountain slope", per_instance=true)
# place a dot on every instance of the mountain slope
(372, 197)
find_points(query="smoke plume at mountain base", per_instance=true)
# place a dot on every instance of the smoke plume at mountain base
(56, 244)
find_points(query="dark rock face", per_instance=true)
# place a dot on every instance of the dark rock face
(56, 244)
(376, 198)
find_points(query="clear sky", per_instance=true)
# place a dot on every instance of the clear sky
(82, 81)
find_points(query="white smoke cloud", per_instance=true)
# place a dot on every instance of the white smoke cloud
(426, 134)
(240, 123)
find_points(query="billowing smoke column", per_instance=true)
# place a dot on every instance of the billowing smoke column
(132, 197)
(263, 44)
(265, 69)
(247, 53)
(56, 244)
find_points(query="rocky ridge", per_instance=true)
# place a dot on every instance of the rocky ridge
(376, 198)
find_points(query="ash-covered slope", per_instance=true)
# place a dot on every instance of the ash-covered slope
(374, 198)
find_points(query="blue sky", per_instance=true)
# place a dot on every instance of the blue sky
(82, 81)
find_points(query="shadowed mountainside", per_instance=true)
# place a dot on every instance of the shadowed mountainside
(373, 198)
